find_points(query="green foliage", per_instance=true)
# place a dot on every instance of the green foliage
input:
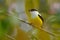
(54, 19)
(8, 21)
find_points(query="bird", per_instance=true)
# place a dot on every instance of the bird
(36, 18)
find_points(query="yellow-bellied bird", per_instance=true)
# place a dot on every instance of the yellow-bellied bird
(36, 18)
(37, 21)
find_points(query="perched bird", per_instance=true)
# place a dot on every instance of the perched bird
(36, 18)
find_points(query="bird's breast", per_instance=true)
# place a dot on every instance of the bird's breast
(37, 21)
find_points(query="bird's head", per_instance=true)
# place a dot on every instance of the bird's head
(35, 13)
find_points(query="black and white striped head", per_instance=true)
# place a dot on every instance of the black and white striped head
(35, 13)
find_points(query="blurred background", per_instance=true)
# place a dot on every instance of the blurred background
(49, 9)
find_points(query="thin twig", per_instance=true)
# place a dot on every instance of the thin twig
(48, 32)
(25, 22)
(39, 28)
(10, 37)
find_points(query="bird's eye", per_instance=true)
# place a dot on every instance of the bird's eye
(41, 17)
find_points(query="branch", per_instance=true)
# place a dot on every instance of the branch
(10, 37)
(25, 21)
(39, 28)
